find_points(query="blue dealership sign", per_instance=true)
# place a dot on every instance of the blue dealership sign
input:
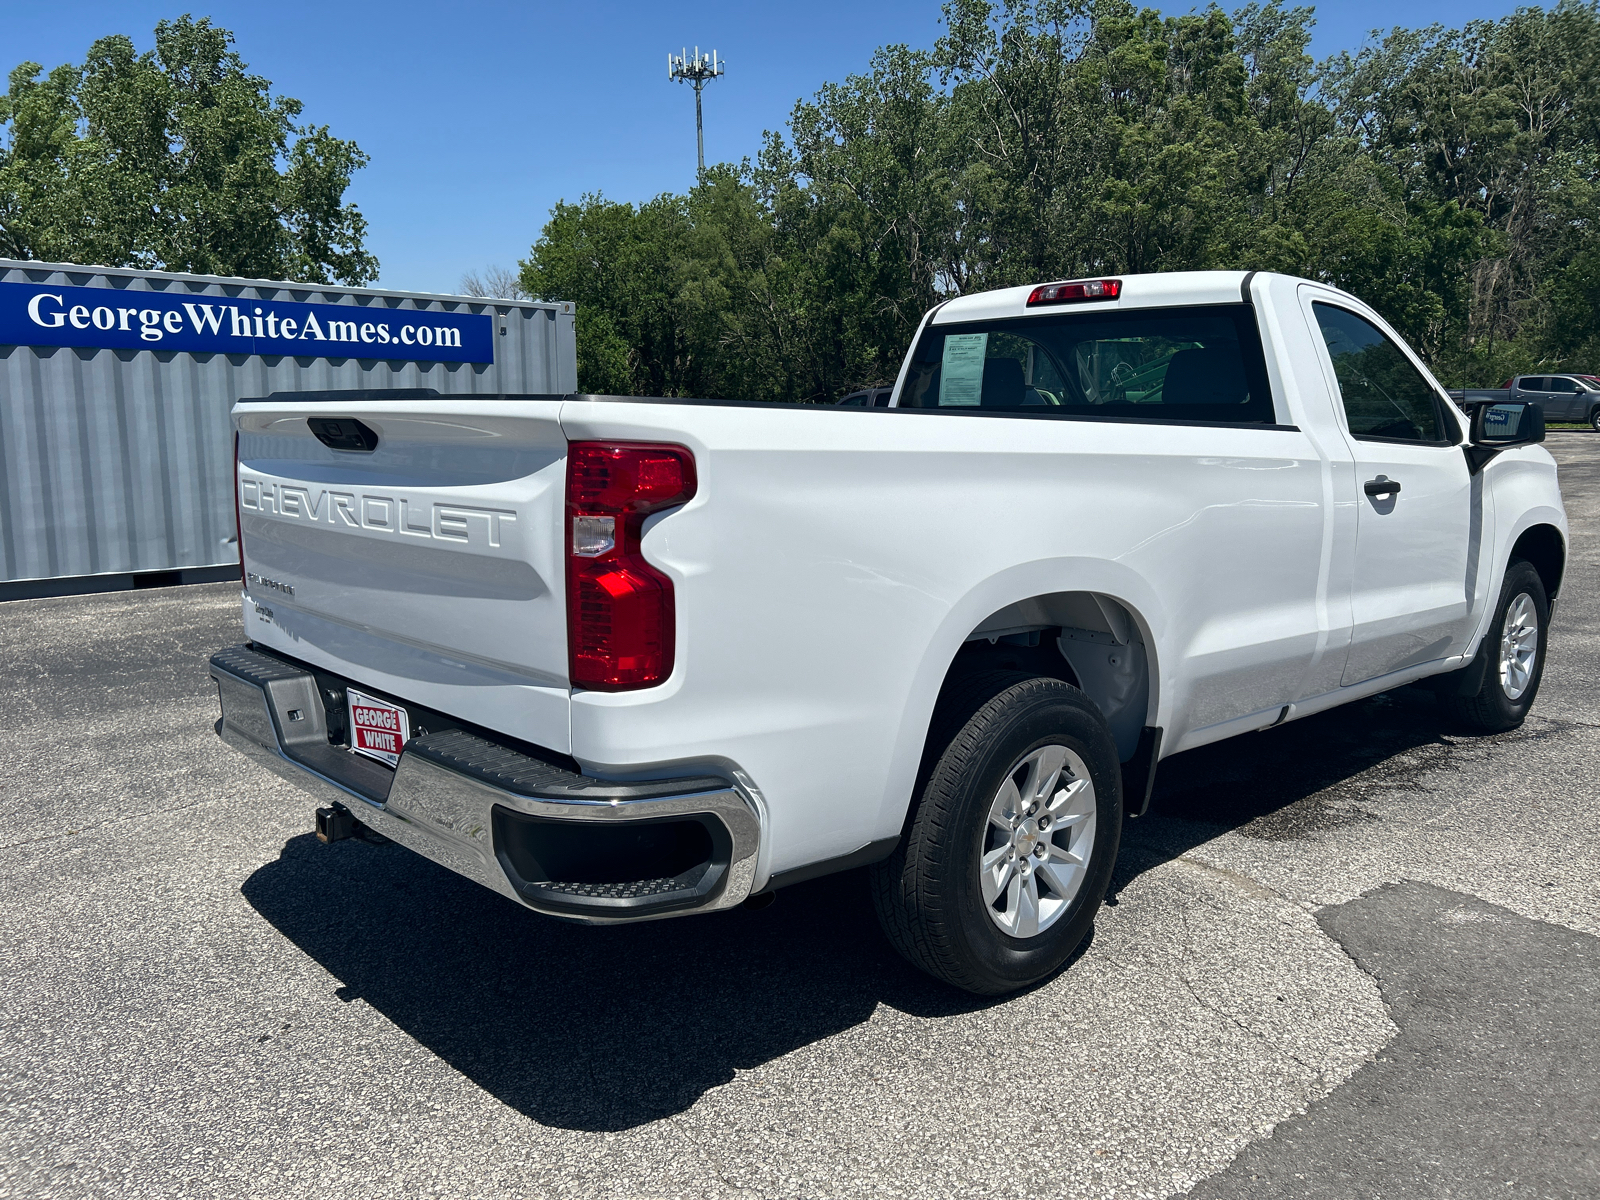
(37, 314)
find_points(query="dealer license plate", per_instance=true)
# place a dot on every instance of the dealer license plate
(378, 729)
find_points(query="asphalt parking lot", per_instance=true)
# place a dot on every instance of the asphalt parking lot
(1353, 956)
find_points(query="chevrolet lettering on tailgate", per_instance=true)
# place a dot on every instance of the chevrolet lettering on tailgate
(388, 513)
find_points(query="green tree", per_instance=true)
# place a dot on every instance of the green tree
(1501, 120)
(177, 159)
(1446, 176)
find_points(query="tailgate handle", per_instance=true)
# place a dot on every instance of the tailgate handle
(343, 433)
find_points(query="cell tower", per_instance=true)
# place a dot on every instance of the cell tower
(697, 70)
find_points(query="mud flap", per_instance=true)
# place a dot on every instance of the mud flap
(1139, 772)
(1467, 680)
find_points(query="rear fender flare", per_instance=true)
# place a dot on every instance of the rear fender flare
(1011, 586)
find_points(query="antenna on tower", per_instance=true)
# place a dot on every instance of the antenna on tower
(698, 71)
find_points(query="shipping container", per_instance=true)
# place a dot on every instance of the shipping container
(116, 452)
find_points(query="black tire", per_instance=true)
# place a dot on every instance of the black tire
(1491, 709)
(928, 894)
(1594, 418)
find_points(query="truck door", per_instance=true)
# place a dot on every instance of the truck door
(1417, 514)
(1536, 390)
(1562, 400)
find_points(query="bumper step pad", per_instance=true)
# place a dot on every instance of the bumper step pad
(523, 775)
(633, 890)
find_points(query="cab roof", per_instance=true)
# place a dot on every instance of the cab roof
(1156, 290)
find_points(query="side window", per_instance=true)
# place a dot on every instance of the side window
(1384, 395)
(1565, 386)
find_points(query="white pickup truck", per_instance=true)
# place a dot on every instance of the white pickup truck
(621, 658)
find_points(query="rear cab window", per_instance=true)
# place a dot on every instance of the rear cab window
(1200, 364)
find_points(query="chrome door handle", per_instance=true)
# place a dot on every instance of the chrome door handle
(1381, 487)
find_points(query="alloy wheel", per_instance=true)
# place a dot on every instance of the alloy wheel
(1038, 841)
(1519, 645)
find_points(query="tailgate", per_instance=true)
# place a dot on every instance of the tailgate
(430, 567)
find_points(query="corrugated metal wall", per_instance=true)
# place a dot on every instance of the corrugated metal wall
(115, 461)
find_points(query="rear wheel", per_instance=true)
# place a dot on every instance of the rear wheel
(1015, 835)
(1511, 657)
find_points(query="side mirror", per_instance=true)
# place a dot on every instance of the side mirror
(1497, 427)
(1512, 423)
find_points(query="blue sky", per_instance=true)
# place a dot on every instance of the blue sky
(479, 117)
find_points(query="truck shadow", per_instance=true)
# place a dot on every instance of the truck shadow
(605, 1029)
(1291, 783)
(597, 1029)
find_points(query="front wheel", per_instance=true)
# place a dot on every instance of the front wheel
(1511, 657)
(1015, 835)
(1594, 419)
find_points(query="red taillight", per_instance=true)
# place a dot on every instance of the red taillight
(238, 519)
(1068, 293)
(620, 619)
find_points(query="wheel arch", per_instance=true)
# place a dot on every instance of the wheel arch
(1111, 612)
(1546, 550)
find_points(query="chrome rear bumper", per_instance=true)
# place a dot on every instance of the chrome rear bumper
(508, 820)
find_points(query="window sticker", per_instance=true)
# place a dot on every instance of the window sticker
(961, 373)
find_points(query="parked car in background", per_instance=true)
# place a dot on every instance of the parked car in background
(1559, 397)
(877, 397)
